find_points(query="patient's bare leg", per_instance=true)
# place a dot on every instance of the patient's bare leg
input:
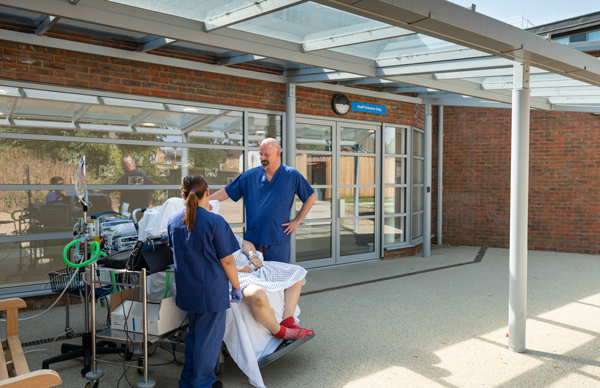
(256, 298)
(290, 299)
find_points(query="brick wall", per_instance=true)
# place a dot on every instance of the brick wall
(564, 189)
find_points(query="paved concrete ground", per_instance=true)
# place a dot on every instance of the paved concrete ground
(444, 328)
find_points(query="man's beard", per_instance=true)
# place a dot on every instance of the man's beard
(265, 164)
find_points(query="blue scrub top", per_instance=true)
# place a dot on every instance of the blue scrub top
(268, 204)
(202, 285)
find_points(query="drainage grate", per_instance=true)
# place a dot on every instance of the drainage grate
(478, 259)
(49, 340)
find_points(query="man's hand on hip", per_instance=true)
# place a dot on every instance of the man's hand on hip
(292, 225)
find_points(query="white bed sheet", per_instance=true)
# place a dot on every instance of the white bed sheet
(247, 340)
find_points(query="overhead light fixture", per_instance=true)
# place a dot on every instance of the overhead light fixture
(2, 91)
(190, 110)
(260, 132)
(148, 124)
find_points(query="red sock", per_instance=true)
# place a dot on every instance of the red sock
(290, 322)
(291, 334)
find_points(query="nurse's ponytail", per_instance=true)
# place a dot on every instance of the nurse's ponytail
(193, 189)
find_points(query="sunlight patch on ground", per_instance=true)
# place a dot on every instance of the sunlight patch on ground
(394, 377)
(470, 361)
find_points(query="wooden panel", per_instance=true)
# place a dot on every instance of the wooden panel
(16, 352)
(43, 378)
(3, 370)
(12, 303)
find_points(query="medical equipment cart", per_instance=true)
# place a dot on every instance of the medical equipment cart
(122, 336)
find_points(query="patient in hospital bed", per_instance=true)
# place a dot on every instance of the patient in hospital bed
(270, 304)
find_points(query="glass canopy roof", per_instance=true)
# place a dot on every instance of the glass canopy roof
(321, 41)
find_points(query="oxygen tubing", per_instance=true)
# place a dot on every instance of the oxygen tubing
(94, 250)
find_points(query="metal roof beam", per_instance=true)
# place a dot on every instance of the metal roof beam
(139, 117)
(484, 73)
(366, 81)
(446, 66)
(452, 23)
(223, 61)
(11, 109)
(408, 89)
(589, 100)
(333, 76)
(253, 10)
(204, 123)
(356, 38)
(566, 91)
(79, 114)
(46, 24)
(452, 55)
(495, 85)
(154, 44)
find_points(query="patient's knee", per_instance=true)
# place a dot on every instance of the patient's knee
(256, 297)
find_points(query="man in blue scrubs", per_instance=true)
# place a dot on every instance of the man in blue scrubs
(269, 193)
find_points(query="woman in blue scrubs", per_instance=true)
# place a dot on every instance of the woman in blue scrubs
(203, 246)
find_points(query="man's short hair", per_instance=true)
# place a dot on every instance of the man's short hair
(55, 179)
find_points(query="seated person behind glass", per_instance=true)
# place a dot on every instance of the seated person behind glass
(55, 195)
(135, 198)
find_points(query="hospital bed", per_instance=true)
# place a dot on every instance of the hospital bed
(249, 343)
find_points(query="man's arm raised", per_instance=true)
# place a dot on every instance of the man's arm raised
(220, 195)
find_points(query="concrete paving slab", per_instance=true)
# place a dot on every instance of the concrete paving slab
(444, 328)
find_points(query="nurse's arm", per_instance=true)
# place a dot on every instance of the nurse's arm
(230, 268)
(219, 195)
(292, 225)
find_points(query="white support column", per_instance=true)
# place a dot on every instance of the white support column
(440, 170)
(427, 183)
(184, 158)
(519, 184)
(290, 147)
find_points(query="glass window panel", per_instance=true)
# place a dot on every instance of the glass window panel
(35, 212)
(395, 171)
(223, 130)
(418, 171)
(357, 236)
(232, 212)
(595, 35)
(417, 198)
(578, 38)
(313, 137)
(395, 140)
(351, 206)
(562, 40)
(254, 158)
(315, 168)
(261, 126)
(109, 114)
(96, 134)
(351, 166)
(313, 242)
(389, 48)
(27, 263)
(418, 145)
(394, 230)
(417, 226)
(219, 167)
(196, 10)
(395, 200)
(47, 110)
(322, 206)
(358, 140)
(307, 22)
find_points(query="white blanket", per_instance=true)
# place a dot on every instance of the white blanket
(247, 341)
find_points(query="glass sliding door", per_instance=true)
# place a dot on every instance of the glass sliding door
(314, 160)
(418, 164)
(358, 222)
(395, 192)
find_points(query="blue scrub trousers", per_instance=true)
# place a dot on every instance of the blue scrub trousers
(279, 252)
(202, 347)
